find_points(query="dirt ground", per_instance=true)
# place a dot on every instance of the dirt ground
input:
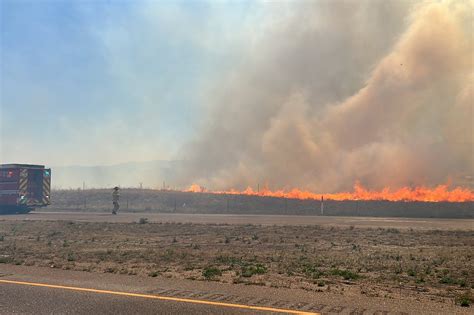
(383, 262)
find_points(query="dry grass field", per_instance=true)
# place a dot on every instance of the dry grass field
(391, 263)
(148, 200)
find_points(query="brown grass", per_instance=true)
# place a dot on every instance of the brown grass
(147, 200)
(375, 262)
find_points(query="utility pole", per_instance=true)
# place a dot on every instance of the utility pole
(227, 204)
(84, 194)
(322, 205)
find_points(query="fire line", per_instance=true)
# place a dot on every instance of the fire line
(440, 193)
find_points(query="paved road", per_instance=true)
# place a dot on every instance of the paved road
(40, 300)
(32, 290)
(40, 290)
(403, 223)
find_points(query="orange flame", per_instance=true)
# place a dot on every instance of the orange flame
(195, 188)
(436, 194)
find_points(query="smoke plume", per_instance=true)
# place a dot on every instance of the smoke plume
(336, 92)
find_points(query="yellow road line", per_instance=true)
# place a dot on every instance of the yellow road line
(159, 297)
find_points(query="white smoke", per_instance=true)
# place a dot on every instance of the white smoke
(343, 91)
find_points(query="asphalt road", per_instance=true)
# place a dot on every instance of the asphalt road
(40, 290)
(33, 290)
(23, 299)
(124, 217)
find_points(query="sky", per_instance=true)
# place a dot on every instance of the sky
(106, 82)
(310, 94)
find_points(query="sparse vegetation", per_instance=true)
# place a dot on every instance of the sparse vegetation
(465, 300)
(210, 273)
(153, 274)
(4, 260)
(70, 257)
(345, 274)
(143, 221)
(447, 280)
(250, 270)
(313, 258)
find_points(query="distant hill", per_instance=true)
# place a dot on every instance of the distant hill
(149, 174)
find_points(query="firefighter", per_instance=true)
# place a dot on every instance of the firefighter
(115, 199)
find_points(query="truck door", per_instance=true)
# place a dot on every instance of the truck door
(35, 186)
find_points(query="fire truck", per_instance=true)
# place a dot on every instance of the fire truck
(24, 187)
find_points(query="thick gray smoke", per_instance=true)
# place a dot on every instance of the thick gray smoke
(339, 91)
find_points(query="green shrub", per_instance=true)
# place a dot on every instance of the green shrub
(250, 270)
(211, 272)
(346, 274)
(4, 260)
(228, 260)
(312, 271)
(464, 300)
(447, 280)
(153, 274)
(420, 280)
(70, 257)
(143, 221)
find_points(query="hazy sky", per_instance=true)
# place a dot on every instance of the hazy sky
(103, 82)
(311, 94)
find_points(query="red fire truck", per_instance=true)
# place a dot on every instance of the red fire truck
(24, 187)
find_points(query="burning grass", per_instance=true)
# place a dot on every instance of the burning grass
(148, 200)
(436, 194)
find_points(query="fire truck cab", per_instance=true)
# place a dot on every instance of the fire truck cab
(24, 187)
